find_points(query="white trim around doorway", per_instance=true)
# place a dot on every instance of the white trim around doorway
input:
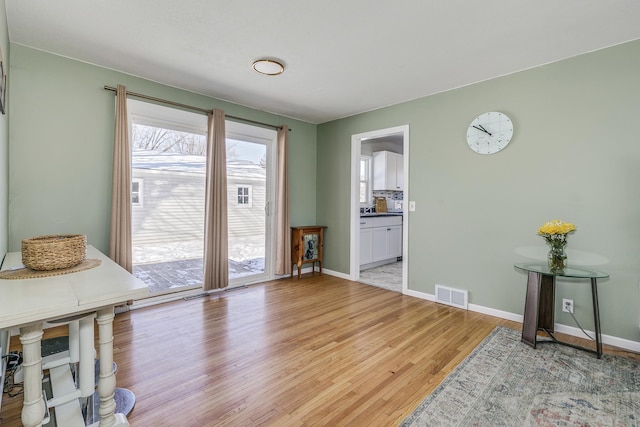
(356, 146)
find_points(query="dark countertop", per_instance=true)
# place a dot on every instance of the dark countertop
(381, 214)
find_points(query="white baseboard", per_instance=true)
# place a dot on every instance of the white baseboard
(606, 339)
(496, 313)
(335, 274)
(420, 295)
(569, 330)
(324, 271)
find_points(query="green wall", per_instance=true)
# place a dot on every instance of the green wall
(575, 156)
(4, 139)
(61, 142)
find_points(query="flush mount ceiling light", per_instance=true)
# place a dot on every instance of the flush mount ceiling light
(268, 67)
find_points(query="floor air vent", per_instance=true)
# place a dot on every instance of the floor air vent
(451, 296)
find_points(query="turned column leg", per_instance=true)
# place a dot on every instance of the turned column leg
(34, 407)
(107, 381)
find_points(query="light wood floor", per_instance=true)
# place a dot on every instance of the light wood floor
(320, 351)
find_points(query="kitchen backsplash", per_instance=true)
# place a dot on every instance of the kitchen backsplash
(394, 199)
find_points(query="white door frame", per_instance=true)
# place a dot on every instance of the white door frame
(356, 146)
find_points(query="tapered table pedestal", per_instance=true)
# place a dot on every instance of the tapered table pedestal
(539, 306)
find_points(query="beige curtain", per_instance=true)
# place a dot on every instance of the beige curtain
(282, 228)
(120, 240)
(216, 252)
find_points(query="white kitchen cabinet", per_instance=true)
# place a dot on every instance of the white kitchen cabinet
(388, 171)
(366, 245)
(394, 241)
(379, 243)
(380, 238)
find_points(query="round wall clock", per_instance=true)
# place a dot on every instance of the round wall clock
(489, 132)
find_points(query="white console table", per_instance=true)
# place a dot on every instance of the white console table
(28, 303)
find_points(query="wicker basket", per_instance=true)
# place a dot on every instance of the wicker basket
(54, 252)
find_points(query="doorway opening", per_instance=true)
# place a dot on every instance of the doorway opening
(379, 219)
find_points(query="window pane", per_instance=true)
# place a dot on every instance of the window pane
(365, 177)
(249, 247)
(168, 222)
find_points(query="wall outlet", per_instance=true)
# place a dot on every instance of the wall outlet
(567, 305)
(412, 206)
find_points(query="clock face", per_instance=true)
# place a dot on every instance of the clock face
(489, 133)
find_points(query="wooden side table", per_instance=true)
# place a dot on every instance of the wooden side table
(307, 243)
(540, 302)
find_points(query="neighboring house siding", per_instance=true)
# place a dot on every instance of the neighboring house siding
(245, 220)
(172, 208)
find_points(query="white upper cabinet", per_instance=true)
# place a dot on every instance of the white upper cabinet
(388, 171)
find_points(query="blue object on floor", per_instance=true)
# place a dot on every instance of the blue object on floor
(125, 401)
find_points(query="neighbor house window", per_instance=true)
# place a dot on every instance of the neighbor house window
(365, 180)
(136, 192)
(244, 195)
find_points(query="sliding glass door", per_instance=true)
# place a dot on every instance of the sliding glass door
(168, 193)
(250, 183)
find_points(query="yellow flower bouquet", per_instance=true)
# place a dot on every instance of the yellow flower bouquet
(555, 233)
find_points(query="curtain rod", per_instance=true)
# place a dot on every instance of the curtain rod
(189, 107)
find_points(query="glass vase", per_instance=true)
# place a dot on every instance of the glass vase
(557, 258)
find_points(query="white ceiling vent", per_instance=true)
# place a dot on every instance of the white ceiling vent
(451, 296)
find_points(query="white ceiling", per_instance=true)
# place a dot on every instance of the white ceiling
(342, 57)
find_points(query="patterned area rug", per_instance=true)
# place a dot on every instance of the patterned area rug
(504, 382)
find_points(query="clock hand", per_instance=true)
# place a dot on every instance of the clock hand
(482, 129)
(485, 130)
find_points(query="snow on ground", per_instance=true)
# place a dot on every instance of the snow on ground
(179, 264)
(240, 249)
